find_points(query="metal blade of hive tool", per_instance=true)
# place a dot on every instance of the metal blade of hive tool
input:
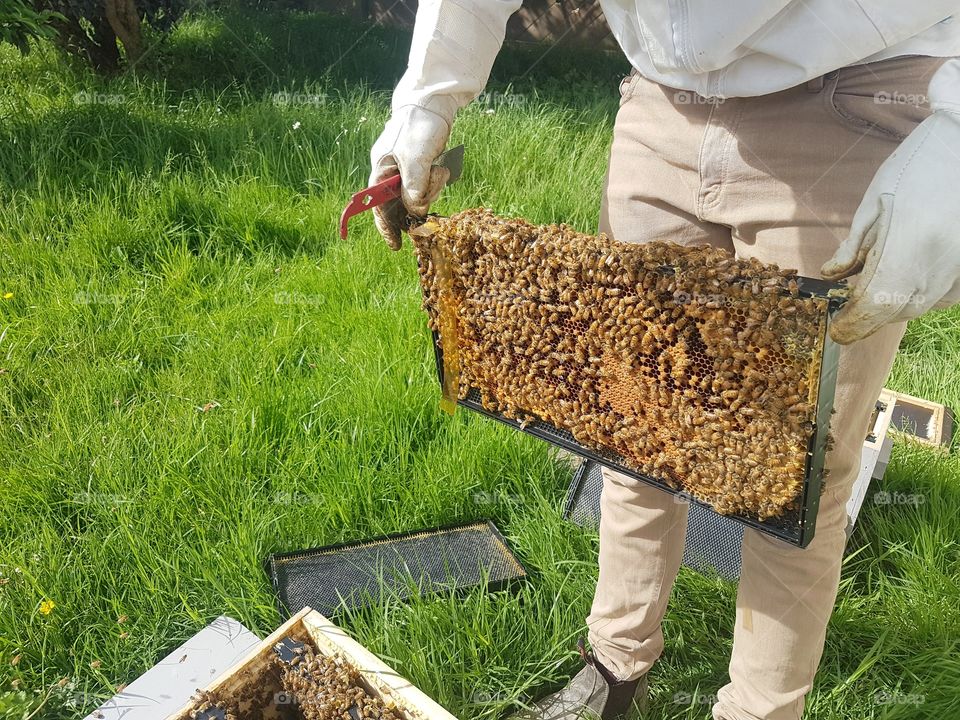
(452, 160)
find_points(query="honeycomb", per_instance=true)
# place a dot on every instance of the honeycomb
(700, 370)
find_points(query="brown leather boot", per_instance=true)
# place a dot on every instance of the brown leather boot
(593, 694)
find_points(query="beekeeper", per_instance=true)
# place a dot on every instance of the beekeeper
(822, 135)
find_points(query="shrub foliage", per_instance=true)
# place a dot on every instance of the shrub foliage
(19, 22)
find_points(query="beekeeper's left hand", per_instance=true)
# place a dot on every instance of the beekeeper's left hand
(905, 237)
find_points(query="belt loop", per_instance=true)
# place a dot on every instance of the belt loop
(815, 85)
(627, 83)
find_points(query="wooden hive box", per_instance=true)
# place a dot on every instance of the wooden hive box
(255, 682)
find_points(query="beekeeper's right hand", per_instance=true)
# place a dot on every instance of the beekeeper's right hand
(409, 144)
(454, 45)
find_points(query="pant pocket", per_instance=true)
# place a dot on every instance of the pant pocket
(885, 99)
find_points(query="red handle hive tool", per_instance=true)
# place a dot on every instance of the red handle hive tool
(388, 189)
(370, 197)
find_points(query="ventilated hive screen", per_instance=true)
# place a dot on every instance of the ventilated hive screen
(712, 541)
(682, 365)
(357, 574)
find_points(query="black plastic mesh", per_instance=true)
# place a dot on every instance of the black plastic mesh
(583, 496)
(712, 543)
(356, 575)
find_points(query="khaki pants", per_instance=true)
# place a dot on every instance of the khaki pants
(778, 178)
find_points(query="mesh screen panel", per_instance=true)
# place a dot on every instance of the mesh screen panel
(712, 543)
(359, 574)
(583, 497)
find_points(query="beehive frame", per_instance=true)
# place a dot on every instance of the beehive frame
(795, 525)
(310, 626)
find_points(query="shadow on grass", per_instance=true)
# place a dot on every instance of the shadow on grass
(264, 50)
(230, 182)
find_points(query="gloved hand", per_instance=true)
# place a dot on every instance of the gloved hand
(454, 45)
(410, 142)
(905, 237)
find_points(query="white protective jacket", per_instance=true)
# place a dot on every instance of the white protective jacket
(717, 49)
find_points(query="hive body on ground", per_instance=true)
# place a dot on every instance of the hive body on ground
(700, 370)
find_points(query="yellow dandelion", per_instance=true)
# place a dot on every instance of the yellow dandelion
(7, 295)
(47, 606)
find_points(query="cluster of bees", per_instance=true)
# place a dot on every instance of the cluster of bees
(692, 367)
(313, 687)
(208, 704)
(327, 687)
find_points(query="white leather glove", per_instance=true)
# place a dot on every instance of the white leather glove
(454, 45)
(410, 142)
(905, 237)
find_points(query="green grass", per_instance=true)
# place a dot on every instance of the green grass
(173, 245)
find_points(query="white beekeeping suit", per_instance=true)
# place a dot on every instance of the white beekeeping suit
(733, 49)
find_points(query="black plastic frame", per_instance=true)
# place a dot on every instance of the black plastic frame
(275, 558)
(794, 527)
(573, 491)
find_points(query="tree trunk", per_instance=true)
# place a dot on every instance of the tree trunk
(125, 21)
(99, 48)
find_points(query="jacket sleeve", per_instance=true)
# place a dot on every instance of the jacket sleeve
(454, 45)
(944, 92)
